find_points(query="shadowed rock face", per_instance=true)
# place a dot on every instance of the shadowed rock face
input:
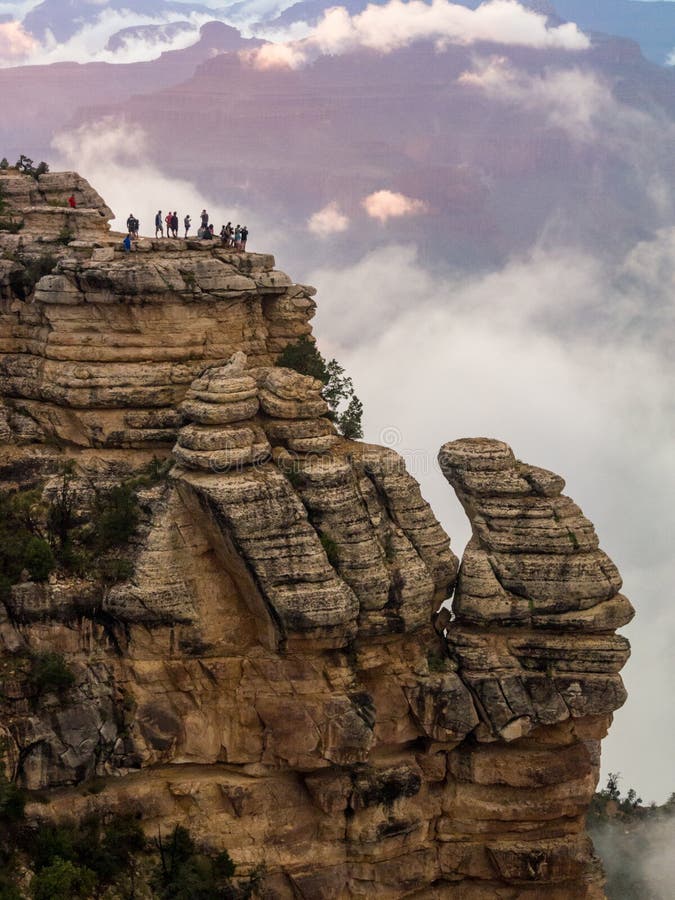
(265, 669)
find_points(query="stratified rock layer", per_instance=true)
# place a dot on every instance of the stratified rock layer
(266, 671)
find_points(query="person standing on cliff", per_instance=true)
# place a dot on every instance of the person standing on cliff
(244, 237)
(71, 202)
(158, 224)
(205, 219)
(167, 219)
(187, 221)
(174, 224)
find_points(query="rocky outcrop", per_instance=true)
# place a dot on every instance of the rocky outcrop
(262, 664)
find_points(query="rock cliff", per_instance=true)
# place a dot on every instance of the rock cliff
(263, 657)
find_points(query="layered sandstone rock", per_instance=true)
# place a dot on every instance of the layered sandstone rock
(264, 667)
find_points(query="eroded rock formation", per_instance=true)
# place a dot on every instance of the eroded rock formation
(265, 669)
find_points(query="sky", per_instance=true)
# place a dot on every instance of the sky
(566, 357)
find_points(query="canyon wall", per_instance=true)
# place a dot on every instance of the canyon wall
(273, 664)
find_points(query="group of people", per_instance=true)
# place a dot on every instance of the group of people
(231, 236)
(234, 237)
(171, 221)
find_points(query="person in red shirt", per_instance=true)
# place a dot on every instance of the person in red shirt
(71, 201)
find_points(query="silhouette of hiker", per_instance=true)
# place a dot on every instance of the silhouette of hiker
(187, 221)
(158, 224)
(244, 237)
(205, 219)
(174, 224)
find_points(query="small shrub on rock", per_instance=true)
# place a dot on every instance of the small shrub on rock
(22, 545)
(26, 166)
(63, 880)
(303, 356)
(185, 874)
(116, 517)
(50, 673)
(114, 569)
(12, 802)
(39, 559)
(65, 236)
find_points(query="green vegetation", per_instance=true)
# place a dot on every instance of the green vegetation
(111, 857)
(11, 225)
(25, 165)
(82, 535)
(190, 279)
(346, 409)
(116, 514)
(63, 880)
(65, 236)
(23, 546)
(50, 674)
(12, 804)
(185, 874)
(436, 661)
(8, 224)
(633, 841)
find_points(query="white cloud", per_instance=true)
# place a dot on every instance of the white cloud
(571, 361)
(398, 24)
(15, 43)
(275, 56)
(582, 103)
(89, 44)
(327, 221)
(575, 100)
(384, 205)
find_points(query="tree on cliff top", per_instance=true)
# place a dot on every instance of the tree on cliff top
(346, 410)
(25, 165)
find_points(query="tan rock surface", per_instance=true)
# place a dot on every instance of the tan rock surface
(264, 668)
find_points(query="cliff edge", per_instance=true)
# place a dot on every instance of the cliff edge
(256, 634)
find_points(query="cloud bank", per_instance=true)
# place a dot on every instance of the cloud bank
(399, 24)
(570, 361)
(329, 220)
(381, 28)
(384, 205)
(15, 43)
(90, 43)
